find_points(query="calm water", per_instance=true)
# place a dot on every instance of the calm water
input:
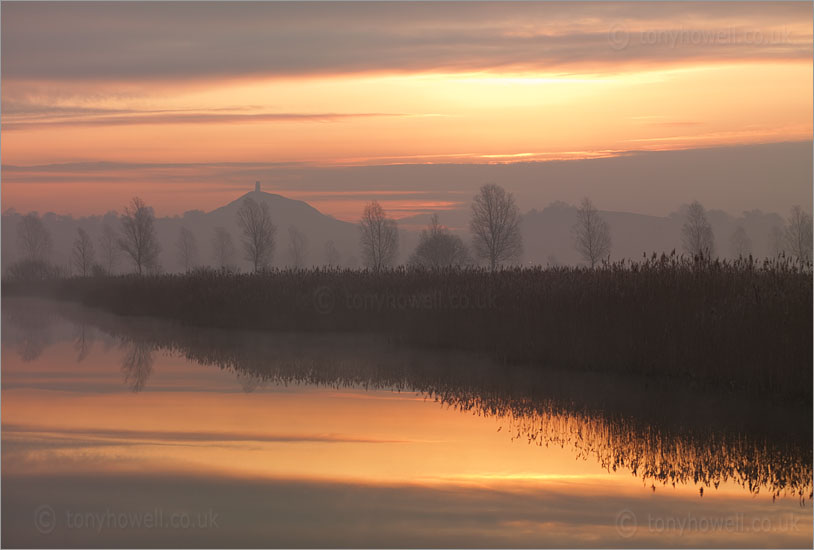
(121, 432)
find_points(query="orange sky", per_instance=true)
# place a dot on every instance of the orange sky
(447, 84)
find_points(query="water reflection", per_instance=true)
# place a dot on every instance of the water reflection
(83, 342)
(27, 329)
(137, 364)
(660, 431)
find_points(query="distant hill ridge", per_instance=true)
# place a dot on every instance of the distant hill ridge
(547, 233)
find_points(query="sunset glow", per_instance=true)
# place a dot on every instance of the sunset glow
(661, 77)
(368, 274)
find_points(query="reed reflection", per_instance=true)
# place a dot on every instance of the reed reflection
(663, 433)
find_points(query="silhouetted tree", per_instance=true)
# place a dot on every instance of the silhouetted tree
(696, 234)
(798, 234)
(740, 243)
(331, 254)
(187, 247)
(438, 247)
(254, 220)
(495, 226)
(33, 238)
(297, 247)
(109, 248)
(380, 239)
(592, 234)
(139, 240)
(83, 254)
(32, 270)
(223, 248)
(777, 246)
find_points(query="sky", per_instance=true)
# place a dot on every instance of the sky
(187, 104)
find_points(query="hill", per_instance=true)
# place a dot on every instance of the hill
(547, 233)
(317, 227)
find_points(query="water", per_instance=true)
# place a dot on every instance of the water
(135, 432)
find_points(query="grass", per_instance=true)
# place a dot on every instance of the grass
(739, 325)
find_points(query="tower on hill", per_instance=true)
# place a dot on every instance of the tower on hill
(257, 187)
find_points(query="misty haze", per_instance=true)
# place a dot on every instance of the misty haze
(382, 275)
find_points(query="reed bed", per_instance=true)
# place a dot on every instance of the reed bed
(742, 325)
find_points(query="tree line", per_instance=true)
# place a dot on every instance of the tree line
(494, 227)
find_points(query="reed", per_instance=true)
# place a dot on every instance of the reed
(742, 325)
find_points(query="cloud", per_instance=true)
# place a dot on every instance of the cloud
(182, 41)
(676, 124)
(731, 178)
(85, 435)
(79, 117)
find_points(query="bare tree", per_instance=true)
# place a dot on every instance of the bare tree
(331, 254)
(798, 234)
(139, 240)
(187, 248)
(495, 226)
(297, 247)
(380, 238)
(592, 234)
(223, 248)
(696, 234)
(83, 254)
(109, 248)
(438, 247)
(777, 246)
(33, 238)
(254, 220)
(740, 243)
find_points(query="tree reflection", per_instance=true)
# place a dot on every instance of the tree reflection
(663, 432)
(28, 329)
(137, 365)
(249, 381)
(83, 342)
